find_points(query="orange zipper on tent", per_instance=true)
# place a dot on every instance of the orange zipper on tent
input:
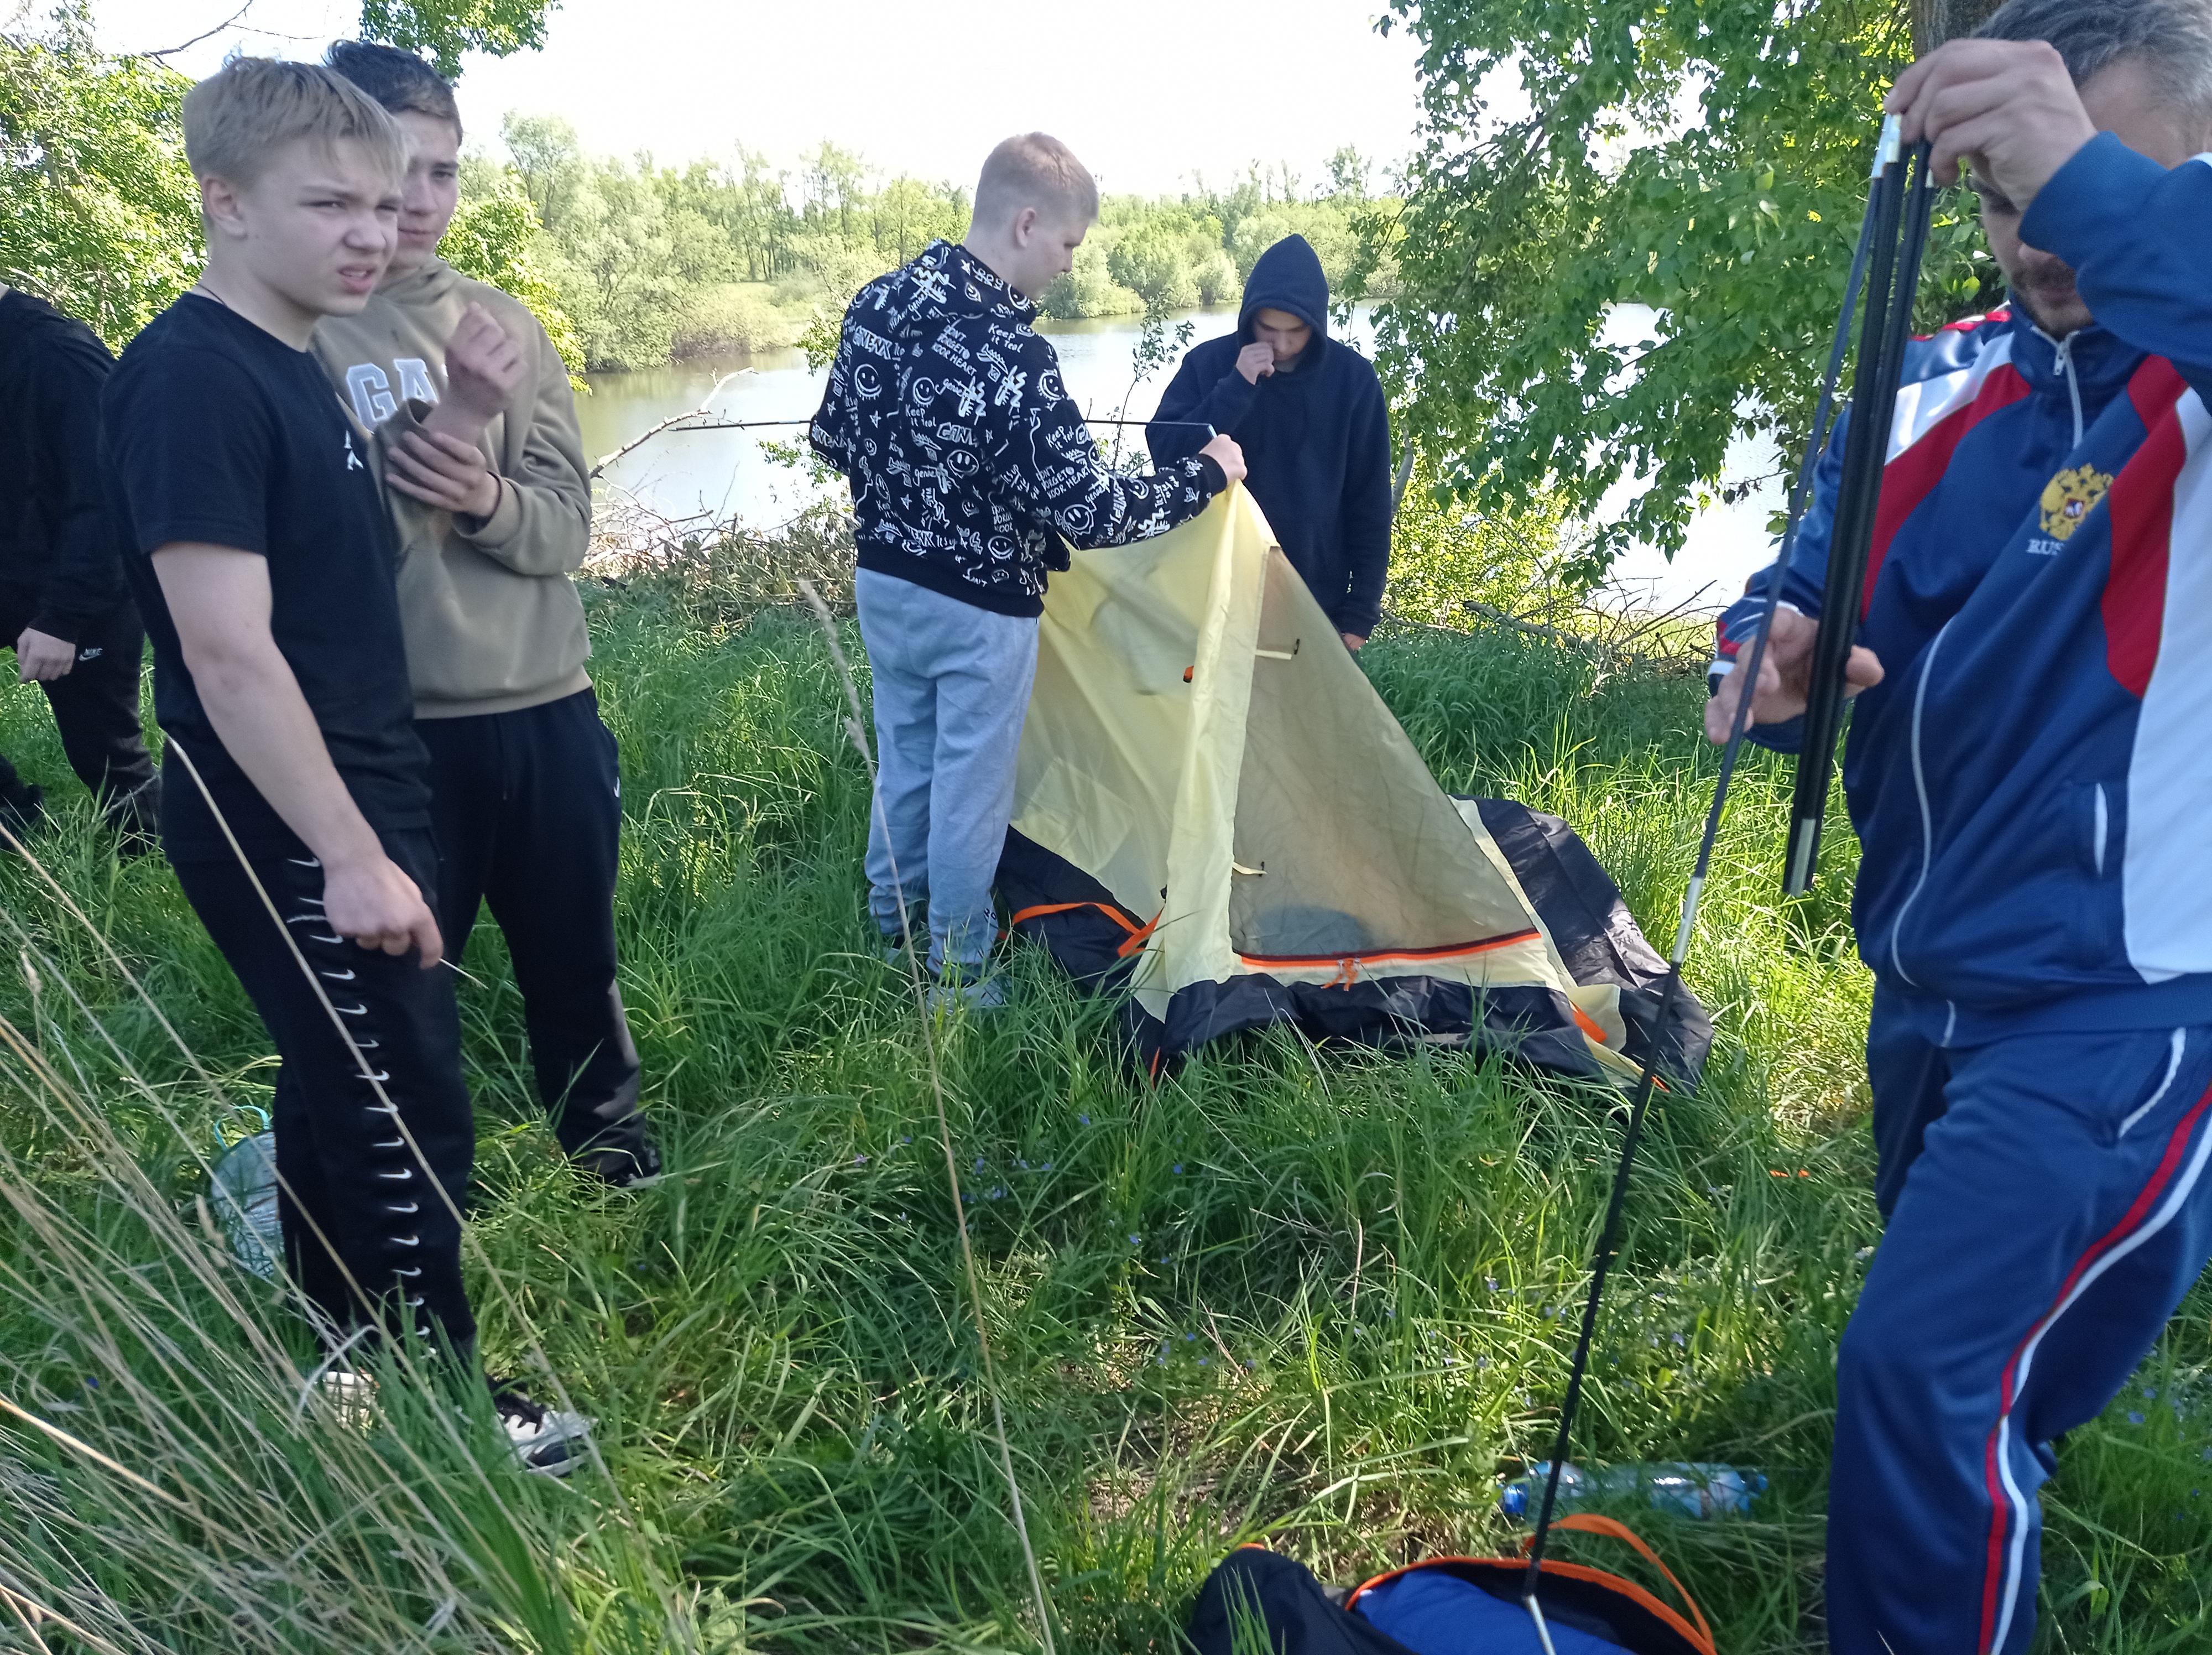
(1348, 965)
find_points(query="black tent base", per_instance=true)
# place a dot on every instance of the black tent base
(1098, 942)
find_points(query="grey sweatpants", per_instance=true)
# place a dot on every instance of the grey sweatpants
(953, 687)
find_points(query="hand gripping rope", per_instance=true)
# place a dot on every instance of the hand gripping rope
(1894, 266)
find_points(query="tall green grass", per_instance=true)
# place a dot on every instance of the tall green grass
(1320, 1296)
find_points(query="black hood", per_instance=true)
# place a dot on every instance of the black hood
(1288, 277)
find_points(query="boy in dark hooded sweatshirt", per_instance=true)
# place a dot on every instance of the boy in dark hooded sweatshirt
(971, 473)
(1308, 413)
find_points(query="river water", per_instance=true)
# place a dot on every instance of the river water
(726, 473)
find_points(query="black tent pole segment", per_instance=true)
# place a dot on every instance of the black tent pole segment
(1888, 324)
(1609, 1234)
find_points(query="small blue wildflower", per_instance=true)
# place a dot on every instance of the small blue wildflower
(906, 1138)
(1178, 1166)
(1679, 1340)
(1492, 1281)
(1481, 1363)
(2134, 1418)
(996, 1193)
(1084, 1119)
(2150, 1393)
(1047, 1167)
(859, 1160)
(1188, 1337)
(979, 1163)
(1134, 1240)
(1204, 1362)
(1248, 1368)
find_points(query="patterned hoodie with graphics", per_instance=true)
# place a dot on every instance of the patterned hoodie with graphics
(969, 464)
(2030, 781)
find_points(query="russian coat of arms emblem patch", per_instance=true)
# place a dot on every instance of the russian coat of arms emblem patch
(2070, 497)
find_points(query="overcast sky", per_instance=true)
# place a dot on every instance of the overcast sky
(1146, 91)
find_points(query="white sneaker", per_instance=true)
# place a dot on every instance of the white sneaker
(545, 1440)
(350, 1397)
(987, 995)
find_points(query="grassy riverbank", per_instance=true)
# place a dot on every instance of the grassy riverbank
(1317, 1297)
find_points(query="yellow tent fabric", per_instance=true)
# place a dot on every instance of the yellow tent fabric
(1200, 742)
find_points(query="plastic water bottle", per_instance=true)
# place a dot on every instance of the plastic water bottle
(244, 1196)
(1687, 1489)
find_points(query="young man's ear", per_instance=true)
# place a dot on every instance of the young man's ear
(1022, 225)
(220, 206)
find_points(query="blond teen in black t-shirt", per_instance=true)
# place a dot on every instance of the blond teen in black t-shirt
(265, 568)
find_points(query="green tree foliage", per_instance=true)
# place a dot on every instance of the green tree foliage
(1449, 566)
(1197, 249)
(495, 237)
(98, 212)
(652, 261)
(442, 29)
(1708, 162)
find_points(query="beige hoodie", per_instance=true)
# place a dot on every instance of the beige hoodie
(492, 620)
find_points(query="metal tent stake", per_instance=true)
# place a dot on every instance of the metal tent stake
(1879, 227)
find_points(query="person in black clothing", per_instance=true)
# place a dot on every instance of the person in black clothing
(263, 559)
(1308, 413)
(64, 602)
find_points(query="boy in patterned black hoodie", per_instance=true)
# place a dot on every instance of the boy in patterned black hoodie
(969, 467)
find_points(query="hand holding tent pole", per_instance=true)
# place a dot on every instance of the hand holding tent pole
(1610, 1237)
(1892, 279)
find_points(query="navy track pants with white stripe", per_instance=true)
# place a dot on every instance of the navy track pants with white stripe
(2049, 1202)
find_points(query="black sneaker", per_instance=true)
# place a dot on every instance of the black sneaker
(545, 1440)
(136, 817)
(635, 1164)
(23, 809)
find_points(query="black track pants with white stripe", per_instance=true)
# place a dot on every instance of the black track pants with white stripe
(367, 1230)
(2052, 1201)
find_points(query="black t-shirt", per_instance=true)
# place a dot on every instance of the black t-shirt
(216, 431)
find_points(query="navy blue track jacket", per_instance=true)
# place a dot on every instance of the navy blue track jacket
(1316, 440)
(2030, 781)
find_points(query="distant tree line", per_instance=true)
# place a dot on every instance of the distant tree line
(628, 262)
(651, 261)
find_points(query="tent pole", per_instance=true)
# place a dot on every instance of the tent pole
(1609, 1234)
(1866, 453)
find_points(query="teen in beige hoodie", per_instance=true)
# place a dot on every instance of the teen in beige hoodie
(525, 794)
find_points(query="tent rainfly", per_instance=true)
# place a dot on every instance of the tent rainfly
(1215, 813)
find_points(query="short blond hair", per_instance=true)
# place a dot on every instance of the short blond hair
(1035, 169)
(237, 119)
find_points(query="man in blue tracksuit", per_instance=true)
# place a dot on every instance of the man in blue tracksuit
(2027, 773)
(1309, 415)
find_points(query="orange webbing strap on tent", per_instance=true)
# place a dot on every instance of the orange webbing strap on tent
(1591, 1522)
(1348, 965)
(1137, 933)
